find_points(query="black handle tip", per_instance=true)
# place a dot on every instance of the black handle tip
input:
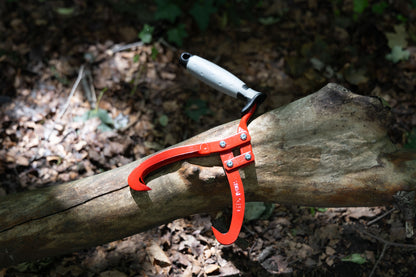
(183, 60)
(257, 99)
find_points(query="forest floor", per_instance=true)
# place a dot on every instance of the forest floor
(135, 101)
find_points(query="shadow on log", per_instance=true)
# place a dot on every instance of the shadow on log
(328, 149)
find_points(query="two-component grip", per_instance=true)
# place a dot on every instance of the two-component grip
(221, 79)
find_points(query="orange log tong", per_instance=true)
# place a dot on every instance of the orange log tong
(224, 147)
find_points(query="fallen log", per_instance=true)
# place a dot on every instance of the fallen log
(328, 149)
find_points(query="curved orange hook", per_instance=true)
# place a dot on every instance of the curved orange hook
(231, 165)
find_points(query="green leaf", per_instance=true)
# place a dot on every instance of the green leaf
(196, 108)
(104, 116)
(359, 6)
(270, 20)
(106, 120)
(411, 140)
(167, 11)
(201, 11)
(104, 127)
(65, 11)
(146, 33)
(401, 18)
(136, 58)
(397, 54)
(354, 258)
(154, 53)
(176, 35)
(258, 210)
(398, 38)
(379, 8)
(254, 210)
(355, 76)
(163, 120)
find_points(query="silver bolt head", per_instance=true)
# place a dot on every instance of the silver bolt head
(243, 136)
(230, 164)
(223, 144)
(247, 156)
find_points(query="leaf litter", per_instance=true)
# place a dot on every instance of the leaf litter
(148, 105)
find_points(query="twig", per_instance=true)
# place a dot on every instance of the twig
(74, 87)
(88, 87)
(165, 43)
(390, 243)
(118, 48)
(68, 101)
(385, 246)
(381, 216)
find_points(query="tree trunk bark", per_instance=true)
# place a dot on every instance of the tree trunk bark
(328, 149)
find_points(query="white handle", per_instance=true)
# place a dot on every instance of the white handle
(220, 79)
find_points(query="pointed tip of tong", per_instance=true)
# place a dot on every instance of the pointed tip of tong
(140, 187)
(137, 184)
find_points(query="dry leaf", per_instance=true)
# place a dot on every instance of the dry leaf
(157, 256)
(211, 269)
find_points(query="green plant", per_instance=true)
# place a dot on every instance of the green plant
(397, 41)
(401, 18)
(411, 140)
(163, 120)
(359, 6)
(176, 12)
(65, 11)
(177, 34)
(379, 8)
(146, 33)
(154, 54)
(170, 11)
(167, 10)
(355, 258)
(258, 210)
(107, 123)
(313, 210)
(201, 12)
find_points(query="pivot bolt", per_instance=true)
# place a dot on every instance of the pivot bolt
(243, 136)
(247, 156)
(230, 163)
(223, 144)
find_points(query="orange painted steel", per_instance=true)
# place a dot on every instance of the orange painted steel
(231, 164)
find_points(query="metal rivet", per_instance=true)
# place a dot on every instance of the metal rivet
(230, 163)
(243, 136)
(247, 156)
(222, 144)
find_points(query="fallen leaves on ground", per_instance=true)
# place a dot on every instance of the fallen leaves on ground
(148, 103)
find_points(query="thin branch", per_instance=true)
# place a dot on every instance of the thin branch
(385, 246)
(68, 101)
(381, 216)
(390, 243)
(74, 87)
(118, 48)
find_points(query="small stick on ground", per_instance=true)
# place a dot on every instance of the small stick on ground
(381, 216)
(385, 246)
(74, 87)
(118, 48)
(68, 101)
